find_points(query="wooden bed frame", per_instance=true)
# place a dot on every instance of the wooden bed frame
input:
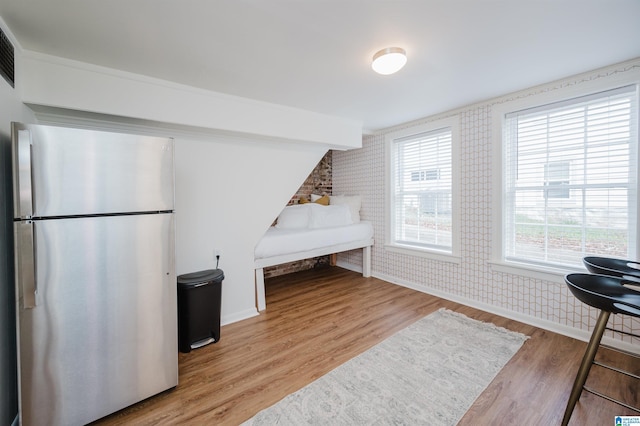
(260, 264)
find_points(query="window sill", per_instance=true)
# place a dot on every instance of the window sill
(533, 271)
(426, 253)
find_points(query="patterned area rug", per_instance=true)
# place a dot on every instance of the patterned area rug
(430, 373)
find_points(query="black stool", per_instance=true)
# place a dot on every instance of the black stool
(627, 269)
(608, 294)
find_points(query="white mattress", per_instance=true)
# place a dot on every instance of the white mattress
(277, 242)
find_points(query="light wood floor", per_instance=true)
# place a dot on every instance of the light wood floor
(317, 320)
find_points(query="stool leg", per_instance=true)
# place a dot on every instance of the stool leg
(585, 366)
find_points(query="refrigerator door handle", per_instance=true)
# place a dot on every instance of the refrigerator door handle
(23, 175)
(26, 265)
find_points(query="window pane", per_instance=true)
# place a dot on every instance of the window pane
(570, 180)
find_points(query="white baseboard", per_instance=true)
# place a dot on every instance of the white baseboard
(239, 316)
(517, 316)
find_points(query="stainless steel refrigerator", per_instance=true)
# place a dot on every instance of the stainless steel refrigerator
(95, 274)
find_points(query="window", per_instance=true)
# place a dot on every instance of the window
(571, 180)
(421, 190)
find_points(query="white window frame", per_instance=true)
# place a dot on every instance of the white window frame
(499, 111)
(452, 255)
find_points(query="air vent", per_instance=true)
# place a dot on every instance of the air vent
(6, 59)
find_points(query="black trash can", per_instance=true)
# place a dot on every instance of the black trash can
(199, 300)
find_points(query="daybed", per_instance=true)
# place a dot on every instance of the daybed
(309, 230)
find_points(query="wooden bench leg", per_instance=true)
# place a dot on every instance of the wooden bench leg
(366, 261)
(260, 293)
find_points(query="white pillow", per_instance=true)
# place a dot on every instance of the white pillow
(315, 197)
(354, 203)
(294, 217)
(329, 216)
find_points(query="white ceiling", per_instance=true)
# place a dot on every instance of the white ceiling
(315, 54)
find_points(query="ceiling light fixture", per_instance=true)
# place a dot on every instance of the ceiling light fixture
(389, 60)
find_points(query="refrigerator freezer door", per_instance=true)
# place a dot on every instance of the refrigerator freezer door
(104, 335)
(81, 172)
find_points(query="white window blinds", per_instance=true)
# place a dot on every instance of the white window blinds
(571, 186)
(421, 205)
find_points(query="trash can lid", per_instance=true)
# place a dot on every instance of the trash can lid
(201, 277)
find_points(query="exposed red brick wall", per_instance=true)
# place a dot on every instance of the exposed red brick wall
(319, 182)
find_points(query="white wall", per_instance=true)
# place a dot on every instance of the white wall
(544, 300)
(228, 192)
